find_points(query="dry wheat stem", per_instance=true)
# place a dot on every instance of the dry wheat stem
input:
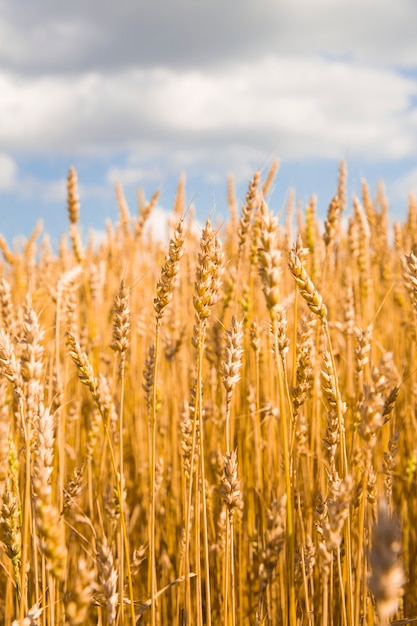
(164, 293)
(120, 344)
(208, 281)
(88, 378)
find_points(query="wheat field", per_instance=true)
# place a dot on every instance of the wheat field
(216, 430)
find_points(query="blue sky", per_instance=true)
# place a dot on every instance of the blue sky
(138, 92)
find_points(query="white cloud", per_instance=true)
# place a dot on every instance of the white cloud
(49, 191)
(54, 192)
(405, 185)
(8, 172)
(303, 107)
(293, 78)
(185, 33)
(203, 87)
(159, 224)
(133, 175)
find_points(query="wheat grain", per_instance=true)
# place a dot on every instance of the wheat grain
(387, 576)
(72, 196)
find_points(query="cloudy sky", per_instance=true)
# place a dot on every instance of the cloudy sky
(139, 91)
